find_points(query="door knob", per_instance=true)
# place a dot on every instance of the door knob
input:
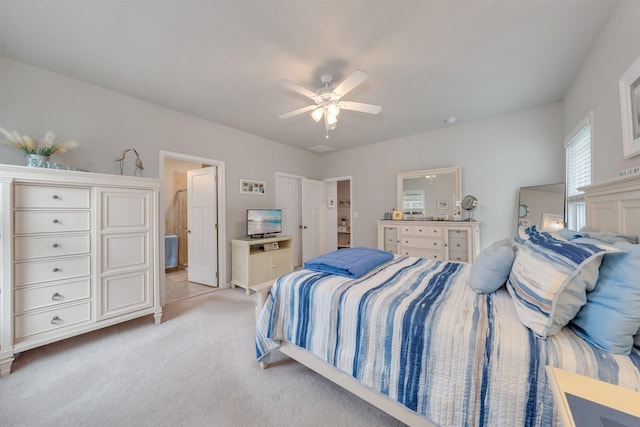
(305, 227)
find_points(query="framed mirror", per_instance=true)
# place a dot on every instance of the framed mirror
(428, 194)
(543, 206)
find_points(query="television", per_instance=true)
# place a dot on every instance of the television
(264, 222)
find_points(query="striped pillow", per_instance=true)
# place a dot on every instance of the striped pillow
(549, 279)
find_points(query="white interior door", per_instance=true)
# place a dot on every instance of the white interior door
(288, 199)
(314, 218)
(202, 219)
(332, 215)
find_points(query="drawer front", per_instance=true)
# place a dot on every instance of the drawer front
(424, 243)
(458, 244)
(56, 269)
(27, 325)
(51, 221)
(458, 256)
(31, 298)
(42, 196)
(424, 253)
(48, 246)
(422, 230)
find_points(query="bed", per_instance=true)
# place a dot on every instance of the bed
(416, 339)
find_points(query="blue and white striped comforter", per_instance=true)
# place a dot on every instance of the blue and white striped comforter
(414, 330)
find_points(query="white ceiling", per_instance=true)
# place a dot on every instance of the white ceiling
(221, 60)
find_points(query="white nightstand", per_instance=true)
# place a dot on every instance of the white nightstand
(600, 392)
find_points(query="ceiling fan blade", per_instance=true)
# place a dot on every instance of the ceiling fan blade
(354, 79)
(298, 111)
(359, 106)
(301, 90)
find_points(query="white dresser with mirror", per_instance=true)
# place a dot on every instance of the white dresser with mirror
(434, 224)
(80, 251)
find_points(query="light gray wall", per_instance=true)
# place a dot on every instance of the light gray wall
(596, 88)
(104, 122)
(497, 156)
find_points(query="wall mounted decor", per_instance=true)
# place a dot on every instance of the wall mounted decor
(253, 187)
(629, 86)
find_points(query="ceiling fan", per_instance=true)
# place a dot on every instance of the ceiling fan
(328, 102)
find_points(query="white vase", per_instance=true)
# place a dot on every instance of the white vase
(37, 161)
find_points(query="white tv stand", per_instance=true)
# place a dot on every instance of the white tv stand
(255, 261)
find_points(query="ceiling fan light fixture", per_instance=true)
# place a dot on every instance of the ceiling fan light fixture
(333, 110)
(331, 119)
(317, 114)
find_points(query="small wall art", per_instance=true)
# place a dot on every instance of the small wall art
(253, 187)
(443, 204)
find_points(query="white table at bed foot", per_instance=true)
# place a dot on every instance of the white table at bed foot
(261, 292)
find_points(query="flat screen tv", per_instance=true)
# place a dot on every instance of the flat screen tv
(264, 222)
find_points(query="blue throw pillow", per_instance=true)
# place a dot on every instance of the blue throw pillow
(611, 317)
(491, 267)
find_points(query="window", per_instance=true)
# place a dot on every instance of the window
(578, 167)
(413, 202)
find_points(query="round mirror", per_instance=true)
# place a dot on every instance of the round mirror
(523, 211)
(469, 203)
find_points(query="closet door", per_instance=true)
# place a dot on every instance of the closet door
(314, 218)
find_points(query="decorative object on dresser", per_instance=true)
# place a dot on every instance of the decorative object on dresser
(138, 161)
(80, 251)
(442, 240)
(37, 152)
(629, 86)
(255, 261)
(469, 204)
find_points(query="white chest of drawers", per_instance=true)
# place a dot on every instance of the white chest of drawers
(441, 240)
(79, 252)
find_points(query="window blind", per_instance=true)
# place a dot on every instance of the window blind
(578, 170)
(578, 163)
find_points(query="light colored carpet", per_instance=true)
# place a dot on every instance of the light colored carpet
(197, 368)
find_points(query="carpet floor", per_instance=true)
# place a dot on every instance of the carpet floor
(197, 368)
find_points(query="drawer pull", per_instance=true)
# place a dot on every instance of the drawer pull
(55, 221)
(435, 243)
(56, 197)
(55, 245)
(420, 230)
(56, 269)
(56, 297)
(56, 320)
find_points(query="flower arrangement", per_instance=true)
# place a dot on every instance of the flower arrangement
(44, 147)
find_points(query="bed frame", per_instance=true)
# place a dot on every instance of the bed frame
(611, 206)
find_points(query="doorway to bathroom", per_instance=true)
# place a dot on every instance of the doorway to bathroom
(193, 207)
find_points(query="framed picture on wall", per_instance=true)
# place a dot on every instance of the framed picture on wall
(629, 86)
(253, 187)
(443, 204)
